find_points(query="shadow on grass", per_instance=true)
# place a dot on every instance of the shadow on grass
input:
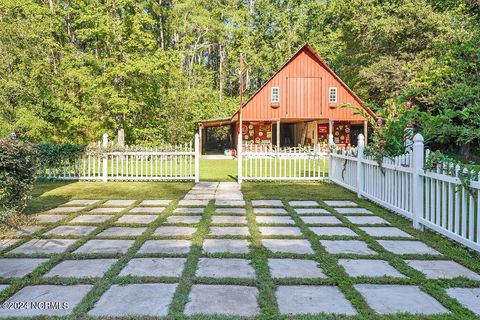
(41, 202)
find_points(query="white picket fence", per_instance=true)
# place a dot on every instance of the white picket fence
(267, 163)
(170, 163)
(435, 199)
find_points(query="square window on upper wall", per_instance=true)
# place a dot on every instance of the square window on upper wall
(332, 95)
(275, 95)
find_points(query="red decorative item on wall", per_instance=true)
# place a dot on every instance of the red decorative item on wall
(322, 131)
(341, 132)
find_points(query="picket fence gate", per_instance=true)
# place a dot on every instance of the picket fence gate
(172, 163)
(267, 163)
(436, 198)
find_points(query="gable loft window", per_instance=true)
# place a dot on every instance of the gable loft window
(332, 94)
(275, 96)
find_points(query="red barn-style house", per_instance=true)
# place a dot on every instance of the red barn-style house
(299, 105)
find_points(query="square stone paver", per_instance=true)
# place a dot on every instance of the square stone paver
(311, 211)
(229, 220)
(288, 245)
(280, 231)
(153, 210)
(122, 232)
(442, 269)
(44, 246)
(154, 267)
(274, 220)
(81, 202)
(366, 220)
(303, 203)
(184, 219)
(193, 203)
(189, 210)
(90, 268)
(65, 209)
(201, 196)
(391, 299)
(369, 268)
(137, 218)
(206, 185)
(223, 300)
(295, 268)
(166, 246)
(385, 232)
(340, 203)
(333, 231)
(225, 268)
(5, 243)
(347, 247)
(320, 220)
(69, 295)
(267, 203)
(49, 218)
(18, 267)
(312, 299)
(146, 299)
(105, 246)
(407, 247)
(353, 211)
(3, 287)
(119, 203)
(279, 211)
(157, 203)
(71, 231)
(225, 245)
(106, 210)
(174, 231)
(230, 203)
(468, 297)
(28, 230)
(229, 231)
(91, 218)
(231, 210)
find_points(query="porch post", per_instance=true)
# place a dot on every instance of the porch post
(200, 133)
(365, 131)
(278, 133)
(330, 132)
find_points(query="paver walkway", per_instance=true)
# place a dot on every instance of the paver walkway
(146, 252)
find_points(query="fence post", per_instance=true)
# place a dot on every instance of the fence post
(197, 158)
(239, 157)
(105, 158)
(360, 166)
(417, 179)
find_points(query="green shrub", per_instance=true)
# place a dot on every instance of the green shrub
(17, 174)
(54, 155)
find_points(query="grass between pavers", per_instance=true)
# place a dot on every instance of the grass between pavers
(48, 194)
(324, 191)
(259, 256)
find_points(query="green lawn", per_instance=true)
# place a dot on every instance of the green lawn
(218, 170)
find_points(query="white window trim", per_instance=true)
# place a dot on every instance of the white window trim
(330, 94)
(278, 95)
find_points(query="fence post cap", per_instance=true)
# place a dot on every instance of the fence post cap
(361, 137)
(418, 138)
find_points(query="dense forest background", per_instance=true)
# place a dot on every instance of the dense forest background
(71, 69)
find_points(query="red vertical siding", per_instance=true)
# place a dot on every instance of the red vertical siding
(303, 84)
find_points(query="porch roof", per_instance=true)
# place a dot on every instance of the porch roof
(217, 122)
